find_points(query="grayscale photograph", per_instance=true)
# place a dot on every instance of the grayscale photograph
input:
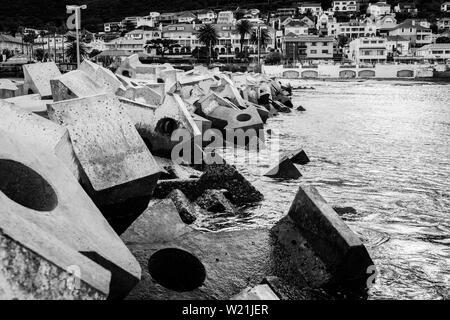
(238, 158)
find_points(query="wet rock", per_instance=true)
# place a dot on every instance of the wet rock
(285, 169)
(300, 108)
(215, 201)
(298, 156)
(281, 107)
(344, 210)
(225, 176)
(188, 211)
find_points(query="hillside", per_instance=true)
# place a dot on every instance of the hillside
(38, 13)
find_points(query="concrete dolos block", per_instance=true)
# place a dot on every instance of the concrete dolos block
(105, 78)
(38, 76)
(74, 84)
(338, 246)
(179, 262)
(50, 228)
(40, 132)
(259, 292)
(132, 67)
(115, 162)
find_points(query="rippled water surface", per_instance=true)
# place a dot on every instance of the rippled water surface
(382, 148)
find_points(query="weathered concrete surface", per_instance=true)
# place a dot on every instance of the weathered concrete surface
(338, 246)
(40, 132)
(115, 162)
(285, 169)
(132, 67)
(38, 76)
(142, 94)
(259, 292)
(75, 84)
(105, 78)
(32, 103)
(41, 204)
(231, 260)
(8, 89)
(170, 116)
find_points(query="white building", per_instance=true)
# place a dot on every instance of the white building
(142, 34)
(352, 30)
(443, 23)
(435, 51)
(130, 45)
(397, 46)
(314, 7)
(296, 27)
(414, 31)
(445, 7)
(206, 16)
(225, 17)
(112, 26)
(379, 9)
(186, 17)
(368, 50)
(346, 6)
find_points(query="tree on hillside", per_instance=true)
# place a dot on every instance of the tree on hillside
(443, 40)
(29, 39)
(264, 39)
(162, 45)
(243, 28)
(207, 35)
(343, 40)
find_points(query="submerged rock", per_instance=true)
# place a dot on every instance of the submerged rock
(215, 201)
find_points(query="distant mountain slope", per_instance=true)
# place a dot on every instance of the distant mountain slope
(37, 13)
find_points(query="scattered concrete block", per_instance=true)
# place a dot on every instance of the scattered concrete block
(38, 76)
(285, 169)
(132, 67)
(281, 107)
(142, 94)
(38, 131)
(337, 245)
(74, 84)
(105, 78)
(298, 156)
(259, 292)
(300, 108)
(8, 89)
(245, 119)
(188, 211)
(215, 201)
(50, 222)
(32, 103)
(202, 123)
(179, 262)
(115, 162)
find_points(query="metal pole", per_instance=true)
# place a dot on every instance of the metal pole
(77, 25)
(259, 46)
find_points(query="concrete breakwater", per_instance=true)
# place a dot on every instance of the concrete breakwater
(379, 71)
(104, 176)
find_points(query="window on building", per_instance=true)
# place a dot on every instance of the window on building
(313, 51)
(325, 51)
(313, 44)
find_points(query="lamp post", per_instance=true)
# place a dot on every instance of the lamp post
(76, 10)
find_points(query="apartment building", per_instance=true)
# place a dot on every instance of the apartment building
(143, 34)
(297, 27)
(307, 47)
(206, 16)
(406, 7)
(397, 46)
(285, 12)
(352, 30)
(368, 50)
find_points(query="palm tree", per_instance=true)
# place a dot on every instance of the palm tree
(207, 35)
(42, 35)
(72, 49)
(243, 28)
(264, 39)
(29, 39)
